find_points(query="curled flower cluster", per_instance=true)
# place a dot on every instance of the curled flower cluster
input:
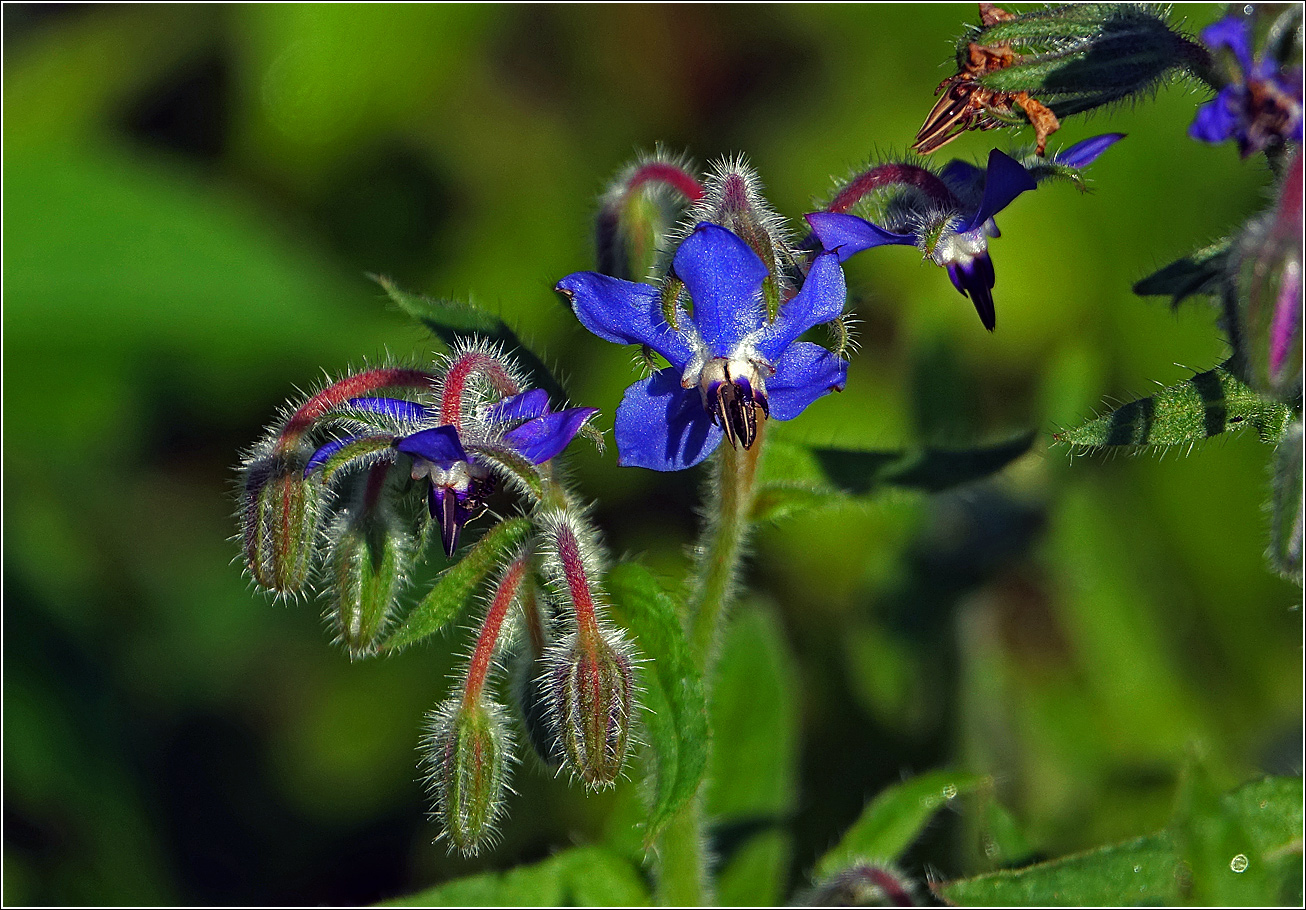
(340, 494)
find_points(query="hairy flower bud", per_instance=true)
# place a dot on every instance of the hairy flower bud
(862, 885)
(369, 556)
(1263, 296)
(591, 685)
(637, 210)
(1288, 518)
(733, 199)
(467, 751)
(280, 510)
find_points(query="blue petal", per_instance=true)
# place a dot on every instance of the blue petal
(544, 437)
(724, 279)
(1004, 181)
(440, 445)
(848, 235)
(821, 298)
(662, 426)
(1234, 33)
(527, 405)
(963, 178)
(322, 455)
(1082, 154)
(394, 408)
(805, 373)
(626, 313)
(1216, 120)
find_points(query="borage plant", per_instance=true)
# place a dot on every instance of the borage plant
(742, 321)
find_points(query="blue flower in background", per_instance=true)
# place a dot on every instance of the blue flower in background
(727, 360)
(952, 220)
(521, 426)
(1260, 106)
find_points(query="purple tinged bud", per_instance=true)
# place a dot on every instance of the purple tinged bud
(592, 689)
(862, 885)
(1082, 154)
(467, 749)
(280, 510)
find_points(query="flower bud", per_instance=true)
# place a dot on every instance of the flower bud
(1289, 509)
(591, 683)
(1263, 298)
(280, 510)
(862, 885)
(733, 199)
(638, 209)
(369, 556)
(467, 750)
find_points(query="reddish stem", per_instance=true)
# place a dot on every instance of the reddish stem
(578, 585)
(483, 654)
(350, 387)
(669, 174)
(893, 175)
(463, 368)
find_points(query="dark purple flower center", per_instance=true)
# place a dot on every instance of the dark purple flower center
(733, 392)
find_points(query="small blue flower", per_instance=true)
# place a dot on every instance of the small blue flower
(953, 222)
(727, 360)
(1260, 106)
(521, 426)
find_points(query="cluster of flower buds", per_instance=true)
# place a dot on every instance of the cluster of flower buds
(341, 494)
(729, 296)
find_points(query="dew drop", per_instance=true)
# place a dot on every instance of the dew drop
(1138, 868)
(1238, 863)
(950, 791)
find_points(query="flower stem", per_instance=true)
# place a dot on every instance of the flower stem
(683, 878)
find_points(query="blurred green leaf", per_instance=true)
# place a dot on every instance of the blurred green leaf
(754, 760)
(896, 817)
(1208, 404)
(675, 719)
(1142, 871)
(797, 478)
(455, 322)
(1197, 273)
(579, 877)
(1242, 848)
(451, 591)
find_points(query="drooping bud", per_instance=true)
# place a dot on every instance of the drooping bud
(467, 749)
(637, 210)
(589, 674)
(733, 199)
(592, 687)
(1287, 518)
(1263, 298)
(1047, 64)
(280, 510)
(862, 885)
(369, 556)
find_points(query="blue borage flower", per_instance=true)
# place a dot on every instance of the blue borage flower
(728, 361)
(455, 447)
(1263, 103)
(950, 215)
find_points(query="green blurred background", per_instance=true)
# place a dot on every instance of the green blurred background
(192, 198)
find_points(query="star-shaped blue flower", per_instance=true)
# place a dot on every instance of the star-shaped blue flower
(521, 426)
(953, 227)
(728, 361)
(1262, 104)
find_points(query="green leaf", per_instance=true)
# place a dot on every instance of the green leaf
(1208, 404)
(754, 760)
(452, 589)
(1256, 829)
(455, 322)
(1197, 273)
(1141, 871)
(675, 722)
(896, 817)
(798, 478)
(580, 877)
